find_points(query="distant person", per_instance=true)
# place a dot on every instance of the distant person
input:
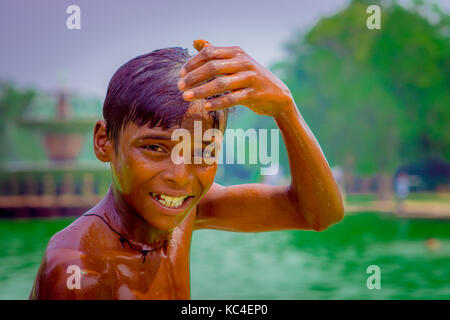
(135, 243)
(338, 174)
(402, 185)
(402, 190)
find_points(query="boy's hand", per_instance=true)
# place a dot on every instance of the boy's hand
(240, 79)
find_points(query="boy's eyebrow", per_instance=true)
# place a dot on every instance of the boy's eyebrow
(155, 136)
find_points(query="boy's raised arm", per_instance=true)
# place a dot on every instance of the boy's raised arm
(312, 201)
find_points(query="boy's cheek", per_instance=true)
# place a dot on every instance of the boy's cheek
(119, 180)
(125, 175)
(206, 175)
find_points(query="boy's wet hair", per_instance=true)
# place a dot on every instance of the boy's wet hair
(144, 91)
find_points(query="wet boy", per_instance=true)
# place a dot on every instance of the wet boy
(135, 243)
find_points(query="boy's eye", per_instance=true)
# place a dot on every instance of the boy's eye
(154, 147)
(209, 154)
(204, 153)
(198, 153)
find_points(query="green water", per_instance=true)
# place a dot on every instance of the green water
(277, 265)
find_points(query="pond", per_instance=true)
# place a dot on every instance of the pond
(278, 265)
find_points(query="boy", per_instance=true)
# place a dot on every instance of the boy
(135, 243)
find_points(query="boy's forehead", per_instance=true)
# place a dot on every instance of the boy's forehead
(196, 114)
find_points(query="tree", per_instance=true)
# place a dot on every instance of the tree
(374, 98)
(13, 102)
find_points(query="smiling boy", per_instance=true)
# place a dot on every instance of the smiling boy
(135, 243)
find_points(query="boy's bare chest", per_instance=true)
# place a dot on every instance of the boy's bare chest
(163, 275)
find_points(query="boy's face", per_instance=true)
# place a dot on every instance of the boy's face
(146, 177)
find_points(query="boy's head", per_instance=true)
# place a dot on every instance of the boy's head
(144, 91)
(142, 108)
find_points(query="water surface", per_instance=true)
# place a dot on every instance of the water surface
(277, 265)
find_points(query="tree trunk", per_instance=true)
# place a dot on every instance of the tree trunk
(385, 189)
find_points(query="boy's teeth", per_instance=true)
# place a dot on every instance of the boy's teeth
(167, 201)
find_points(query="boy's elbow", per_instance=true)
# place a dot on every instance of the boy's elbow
(339, 212)
(332, 218)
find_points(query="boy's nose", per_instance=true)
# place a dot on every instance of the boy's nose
(179, 175)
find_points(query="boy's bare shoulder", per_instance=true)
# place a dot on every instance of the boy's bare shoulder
(87, 234)
(76, 248)
(84, 236)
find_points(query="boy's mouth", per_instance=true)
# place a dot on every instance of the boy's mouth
(171, 202)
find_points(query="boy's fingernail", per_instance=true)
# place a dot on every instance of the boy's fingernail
(207, 105)
(188, 94)
(182, 73)
(181, 85)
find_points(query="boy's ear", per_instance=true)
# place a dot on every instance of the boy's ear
(102, 144)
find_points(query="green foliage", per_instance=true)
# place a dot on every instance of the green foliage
(374, 98)
(413, 57)
(15, 139)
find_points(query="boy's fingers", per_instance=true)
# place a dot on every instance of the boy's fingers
(211, 69)
(221, 84)
(228, 100)
(207, 54)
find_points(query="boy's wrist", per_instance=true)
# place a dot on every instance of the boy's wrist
(287, 111)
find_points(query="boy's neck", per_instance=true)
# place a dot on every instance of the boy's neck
(134, 227)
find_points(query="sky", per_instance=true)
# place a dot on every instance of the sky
(38, 50)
